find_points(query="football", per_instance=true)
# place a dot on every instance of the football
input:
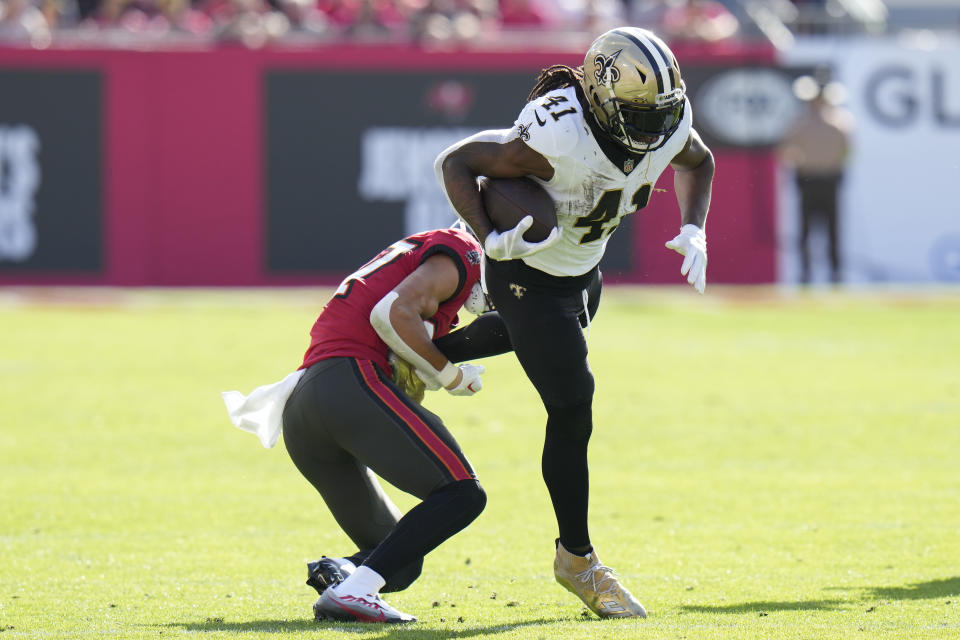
(508, 200)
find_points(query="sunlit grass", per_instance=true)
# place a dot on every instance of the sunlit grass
(764, 465)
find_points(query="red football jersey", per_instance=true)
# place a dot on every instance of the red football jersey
(343, 327)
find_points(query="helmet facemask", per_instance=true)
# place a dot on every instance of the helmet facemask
(643, 128)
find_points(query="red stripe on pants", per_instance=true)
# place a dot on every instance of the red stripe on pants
(420, 428)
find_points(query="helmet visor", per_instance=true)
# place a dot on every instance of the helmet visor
(641, 122)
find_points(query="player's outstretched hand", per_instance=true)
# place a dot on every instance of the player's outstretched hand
(470, 380)
(692, 243)
(510, 245)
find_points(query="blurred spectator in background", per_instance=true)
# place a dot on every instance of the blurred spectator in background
(816, 147)
(179, 16)
(698, 21)
(251, 23)
(364, 19)
(59, 13)
(22, 21)
(524, 14)
(112, 14)
(452, 21)
(590, 16)
(645, 13)
(305, 17)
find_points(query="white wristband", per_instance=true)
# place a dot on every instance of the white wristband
(448, 374)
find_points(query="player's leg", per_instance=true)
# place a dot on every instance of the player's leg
(831, 188)
(806, 221)
(545, 329)
(484, 337)
(351, 492)
(409, 447)
(545, 326)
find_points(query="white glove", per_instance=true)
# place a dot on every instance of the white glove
(469, 378)
(470, 382)
(510, 245)
(692, 243)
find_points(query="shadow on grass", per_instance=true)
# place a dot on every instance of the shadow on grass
(918, 590)
(389, 631)
(766, 606)
(929, 590)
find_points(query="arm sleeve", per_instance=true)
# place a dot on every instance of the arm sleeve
(484, 337)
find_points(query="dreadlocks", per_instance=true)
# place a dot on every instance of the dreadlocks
(556, 77)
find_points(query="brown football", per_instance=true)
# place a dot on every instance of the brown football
(508, 200)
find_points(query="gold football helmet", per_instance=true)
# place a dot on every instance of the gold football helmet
(633, 84)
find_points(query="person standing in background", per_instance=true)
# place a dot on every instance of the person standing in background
(816, 147)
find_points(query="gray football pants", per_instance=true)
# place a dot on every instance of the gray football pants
(346, 421)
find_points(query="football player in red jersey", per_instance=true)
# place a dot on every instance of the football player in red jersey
(346, 420)
(596, 138)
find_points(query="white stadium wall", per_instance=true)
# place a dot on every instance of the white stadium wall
(900, 202)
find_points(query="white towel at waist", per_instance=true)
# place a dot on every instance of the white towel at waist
(261, 412)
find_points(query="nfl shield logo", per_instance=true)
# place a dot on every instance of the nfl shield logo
(628, 165)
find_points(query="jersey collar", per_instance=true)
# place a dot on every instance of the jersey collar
(622, 159)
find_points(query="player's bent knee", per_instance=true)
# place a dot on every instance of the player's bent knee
(469, 497)
(475, 498)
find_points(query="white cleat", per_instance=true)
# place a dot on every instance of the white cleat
(349, 608)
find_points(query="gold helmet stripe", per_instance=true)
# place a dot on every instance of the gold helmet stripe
(659, 62)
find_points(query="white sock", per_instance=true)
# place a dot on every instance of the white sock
(361, 582)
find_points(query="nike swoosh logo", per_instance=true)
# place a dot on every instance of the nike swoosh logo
(539, 121)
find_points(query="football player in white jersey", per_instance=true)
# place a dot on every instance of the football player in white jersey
(597, 138)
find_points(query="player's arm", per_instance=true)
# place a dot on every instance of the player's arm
(486, 336)
(399, 316)
(693, 181)
(459, 168)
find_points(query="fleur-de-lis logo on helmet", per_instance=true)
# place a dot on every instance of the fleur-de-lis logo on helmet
(603, 67)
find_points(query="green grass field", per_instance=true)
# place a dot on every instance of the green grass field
(764, 465)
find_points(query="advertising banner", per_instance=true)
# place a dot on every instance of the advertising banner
(351, 156)
(50, 172)
(274, 166)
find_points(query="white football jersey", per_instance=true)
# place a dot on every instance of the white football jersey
(592, 194)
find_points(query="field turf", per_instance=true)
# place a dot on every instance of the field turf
(765, 464)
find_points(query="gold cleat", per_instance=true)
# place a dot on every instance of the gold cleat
(596, 585)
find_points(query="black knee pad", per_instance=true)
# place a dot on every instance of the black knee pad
(472, 495)
(468, 494)
(571, 422)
